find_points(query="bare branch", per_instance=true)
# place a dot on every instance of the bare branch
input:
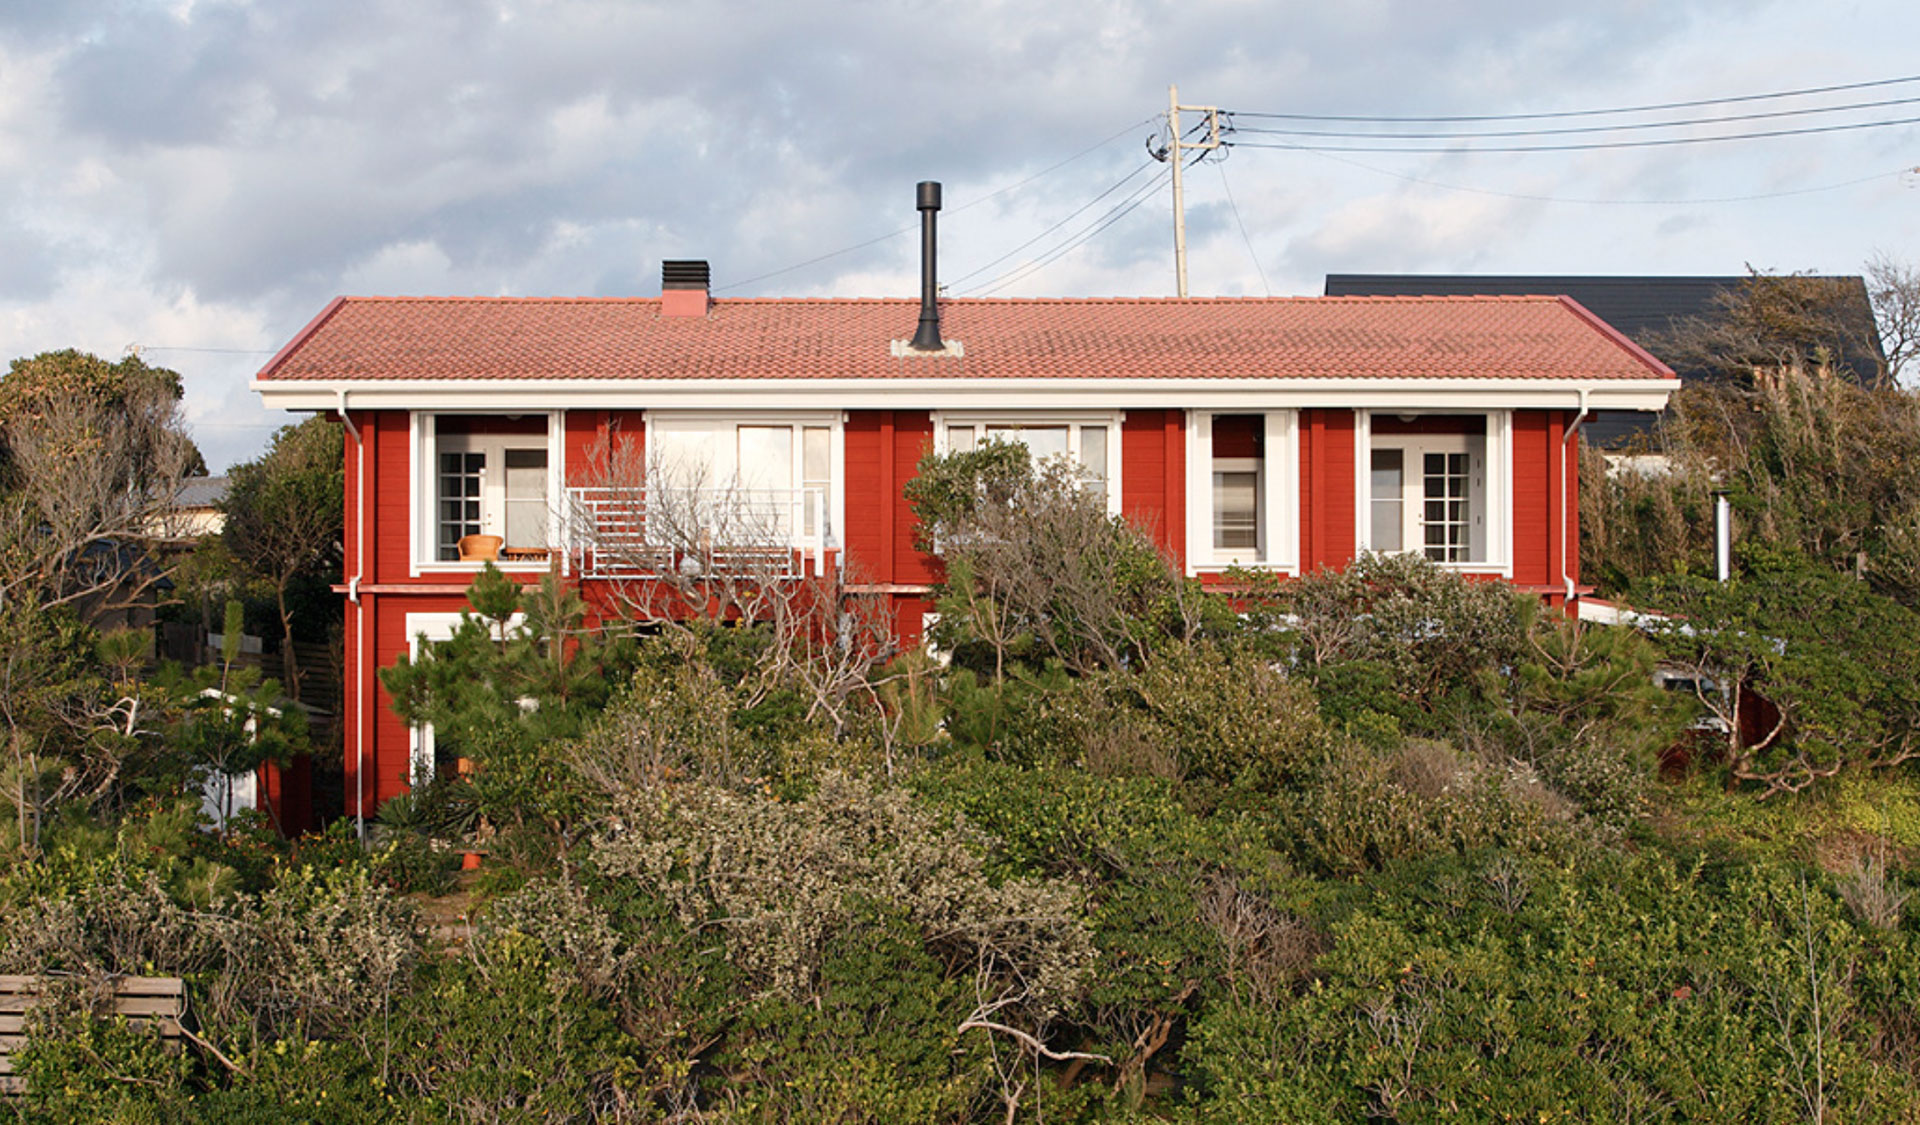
(974, 1023)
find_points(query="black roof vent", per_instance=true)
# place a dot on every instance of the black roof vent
(684, 274)
(927, 337)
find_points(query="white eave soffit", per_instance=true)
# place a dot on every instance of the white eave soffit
(951, 394)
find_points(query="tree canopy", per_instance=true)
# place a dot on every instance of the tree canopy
(92, 454)
(284, 521)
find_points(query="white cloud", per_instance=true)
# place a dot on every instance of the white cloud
(208, 173)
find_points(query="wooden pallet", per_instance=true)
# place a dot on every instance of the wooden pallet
(155, 1002)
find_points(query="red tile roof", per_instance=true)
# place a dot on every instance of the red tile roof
(379, 338)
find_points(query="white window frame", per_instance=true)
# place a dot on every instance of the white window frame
(1494, 493)
(1279, 491)
(1073, 420)
(432, 628)
(834, 421)
(423, 499)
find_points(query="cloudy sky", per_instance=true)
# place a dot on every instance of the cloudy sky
(196, 178)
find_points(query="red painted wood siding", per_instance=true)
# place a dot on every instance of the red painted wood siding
(883, 449)
(1153, 476)
(627, 439)
(1535, 516)
(387, 494)
(868, 437)
(1326, 489)
(586, 447)
(602, 444)
(912, 438)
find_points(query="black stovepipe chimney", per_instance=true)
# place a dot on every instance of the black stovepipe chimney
(927, 338)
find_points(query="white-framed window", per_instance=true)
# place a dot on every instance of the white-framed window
(1090, 440)
(485, 475)
(1436, 485)
(1243, 493)
(777, 469)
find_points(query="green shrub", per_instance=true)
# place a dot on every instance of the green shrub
(879, 1043)
(506, 1034)
(1183, 904)
(778, 879)
(315, 952)
(1361, 808)
(80, 1069)
(1027, 716)
(1224, 714)
(1498, 988)
(412, 863)
(1833, 656)
(1584, 711)
(311, 957)
(1428, 640)
(1037, 569)
(673, 720)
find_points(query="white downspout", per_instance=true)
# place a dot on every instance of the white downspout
(1573, 427)
(360, 619)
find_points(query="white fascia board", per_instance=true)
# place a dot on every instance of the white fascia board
(964, 394)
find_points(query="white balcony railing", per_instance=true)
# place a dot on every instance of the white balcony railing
(618, 532)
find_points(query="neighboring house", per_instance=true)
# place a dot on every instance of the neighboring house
(1646, 310)
(193, 514)
(1284, 434)
(196, 511)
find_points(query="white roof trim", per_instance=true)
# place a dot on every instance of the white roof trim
(960, 394)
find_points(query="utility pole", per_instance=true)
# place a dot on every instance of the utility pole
(1172, 153)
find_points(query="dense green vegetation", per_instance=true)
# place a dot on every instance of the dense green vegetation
(1382, 844)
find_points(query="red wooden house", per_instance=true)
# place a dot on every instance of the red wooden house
(1287, 433)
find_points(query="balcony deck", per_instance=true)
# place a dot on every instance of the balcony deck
(624, 533)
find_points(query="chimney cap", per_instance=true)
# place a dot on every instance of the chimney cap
(927, 195)
(685, 273)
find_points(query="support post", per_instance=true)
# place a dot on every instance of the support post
(1179, 202)
(1174, 145)
(1722, 537)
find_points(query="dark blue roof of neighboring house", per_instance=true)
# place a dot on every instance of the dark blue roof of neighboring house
(1644, 309)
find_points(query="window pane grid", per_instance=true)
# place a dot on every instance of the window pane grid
(1444, 488)
(461, 479)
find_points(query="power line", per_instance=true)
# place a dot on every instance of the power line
(1055, 167)
(1589, 129)
(1755, 197)
(1066, 248)
(1063, 222)
(1113, 215)
(1047, 257)
(1251, 252)
(1662, 142)
(831, 254)
(138, 349)
(916, 226)
(1651, 108)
